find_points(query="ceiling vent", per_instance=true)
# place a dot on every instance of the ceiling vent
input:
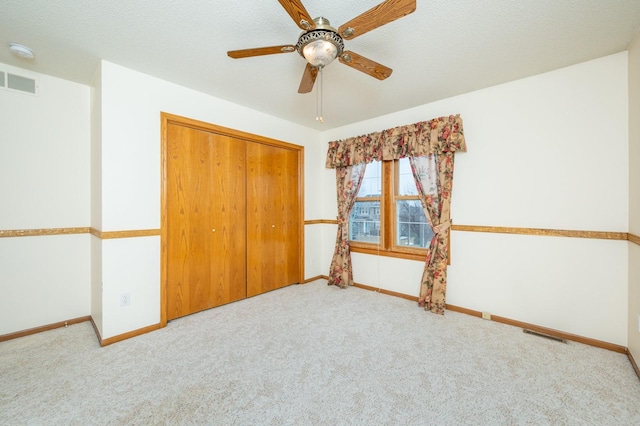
(18, 83)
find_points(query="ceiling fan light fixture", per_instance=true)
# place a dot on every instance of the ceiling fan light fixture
(322, 45)
(320, 53)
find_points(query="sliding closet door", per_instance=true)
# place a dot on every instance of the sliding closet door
(273, 218)
(206, 227)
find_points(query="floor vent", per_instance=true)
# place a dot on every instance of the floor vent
(546, 336)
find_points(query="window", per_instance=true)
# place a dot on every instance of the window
(387, 217)
(364, 222)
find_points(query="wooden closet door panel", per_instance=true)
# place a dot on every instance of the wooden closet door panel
(188, 169)
(273, 221)
(228, 219)
(287, 217)
(205, 192)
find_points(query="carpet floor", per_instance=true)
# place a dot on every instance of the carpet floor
(315, 355)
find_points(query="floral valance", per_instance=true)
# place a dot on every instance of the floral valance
(443, 134)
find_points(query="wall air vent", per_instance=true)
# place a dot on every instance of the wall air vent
(22, 84)
(18, 83)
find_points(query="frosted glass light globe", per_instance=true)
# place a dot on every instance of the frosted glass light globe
(320, 53)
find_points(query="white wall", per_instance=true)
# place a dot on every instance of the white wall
(315, 153)
(44, 183)
(547, 134)
(130, 265)
(131, 106)
(43, 280)
(549, 151)
(634, 197)
(569, 284)
(96, 199)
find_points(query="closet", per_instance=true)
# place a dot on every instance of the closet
(231, 216)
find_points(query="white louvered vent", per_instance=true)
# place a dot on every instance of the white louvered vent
(18, 83)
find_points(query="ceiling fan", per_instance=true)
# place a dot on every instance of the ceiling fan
(320, 43)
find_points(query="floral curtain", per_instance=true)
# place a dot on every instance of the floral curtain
(443, 134)
(433, 175)
(348, 181)
(436, 140)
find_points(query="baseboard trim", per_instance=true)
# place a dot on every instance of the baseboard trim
(95, 329)
(387, 292)
(316, 278)
(128, 335)
(633, 363)
(551, 332)
(556, 333)
(40, 329)
(121, 337)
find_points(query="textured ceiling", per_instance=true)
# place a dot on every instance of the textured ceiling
(445, 48)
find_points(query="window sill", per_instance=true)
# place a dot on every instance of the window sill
(388, 253)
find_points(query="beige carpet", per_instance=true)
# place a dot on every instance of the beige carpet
(313, 354)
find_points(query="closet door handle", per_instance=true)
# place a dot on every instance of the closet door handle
(273, 226)
(213, 230)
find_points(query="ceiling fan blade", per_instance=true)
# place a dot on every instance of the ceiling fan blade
(382, 14)
(308, 79)
(365, 65)
(298, 13)
(259, 51)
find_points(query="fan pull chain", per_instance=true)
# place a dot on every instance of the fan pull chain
(319, 99)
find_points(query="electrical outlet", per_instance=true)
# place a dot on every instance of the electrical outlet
(486, 315)
(125, 299)
(638, 323)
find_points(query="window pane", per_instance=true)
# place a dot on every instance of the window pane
(364, 222)
(406, 182)
(412, 229)
(372, 181)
